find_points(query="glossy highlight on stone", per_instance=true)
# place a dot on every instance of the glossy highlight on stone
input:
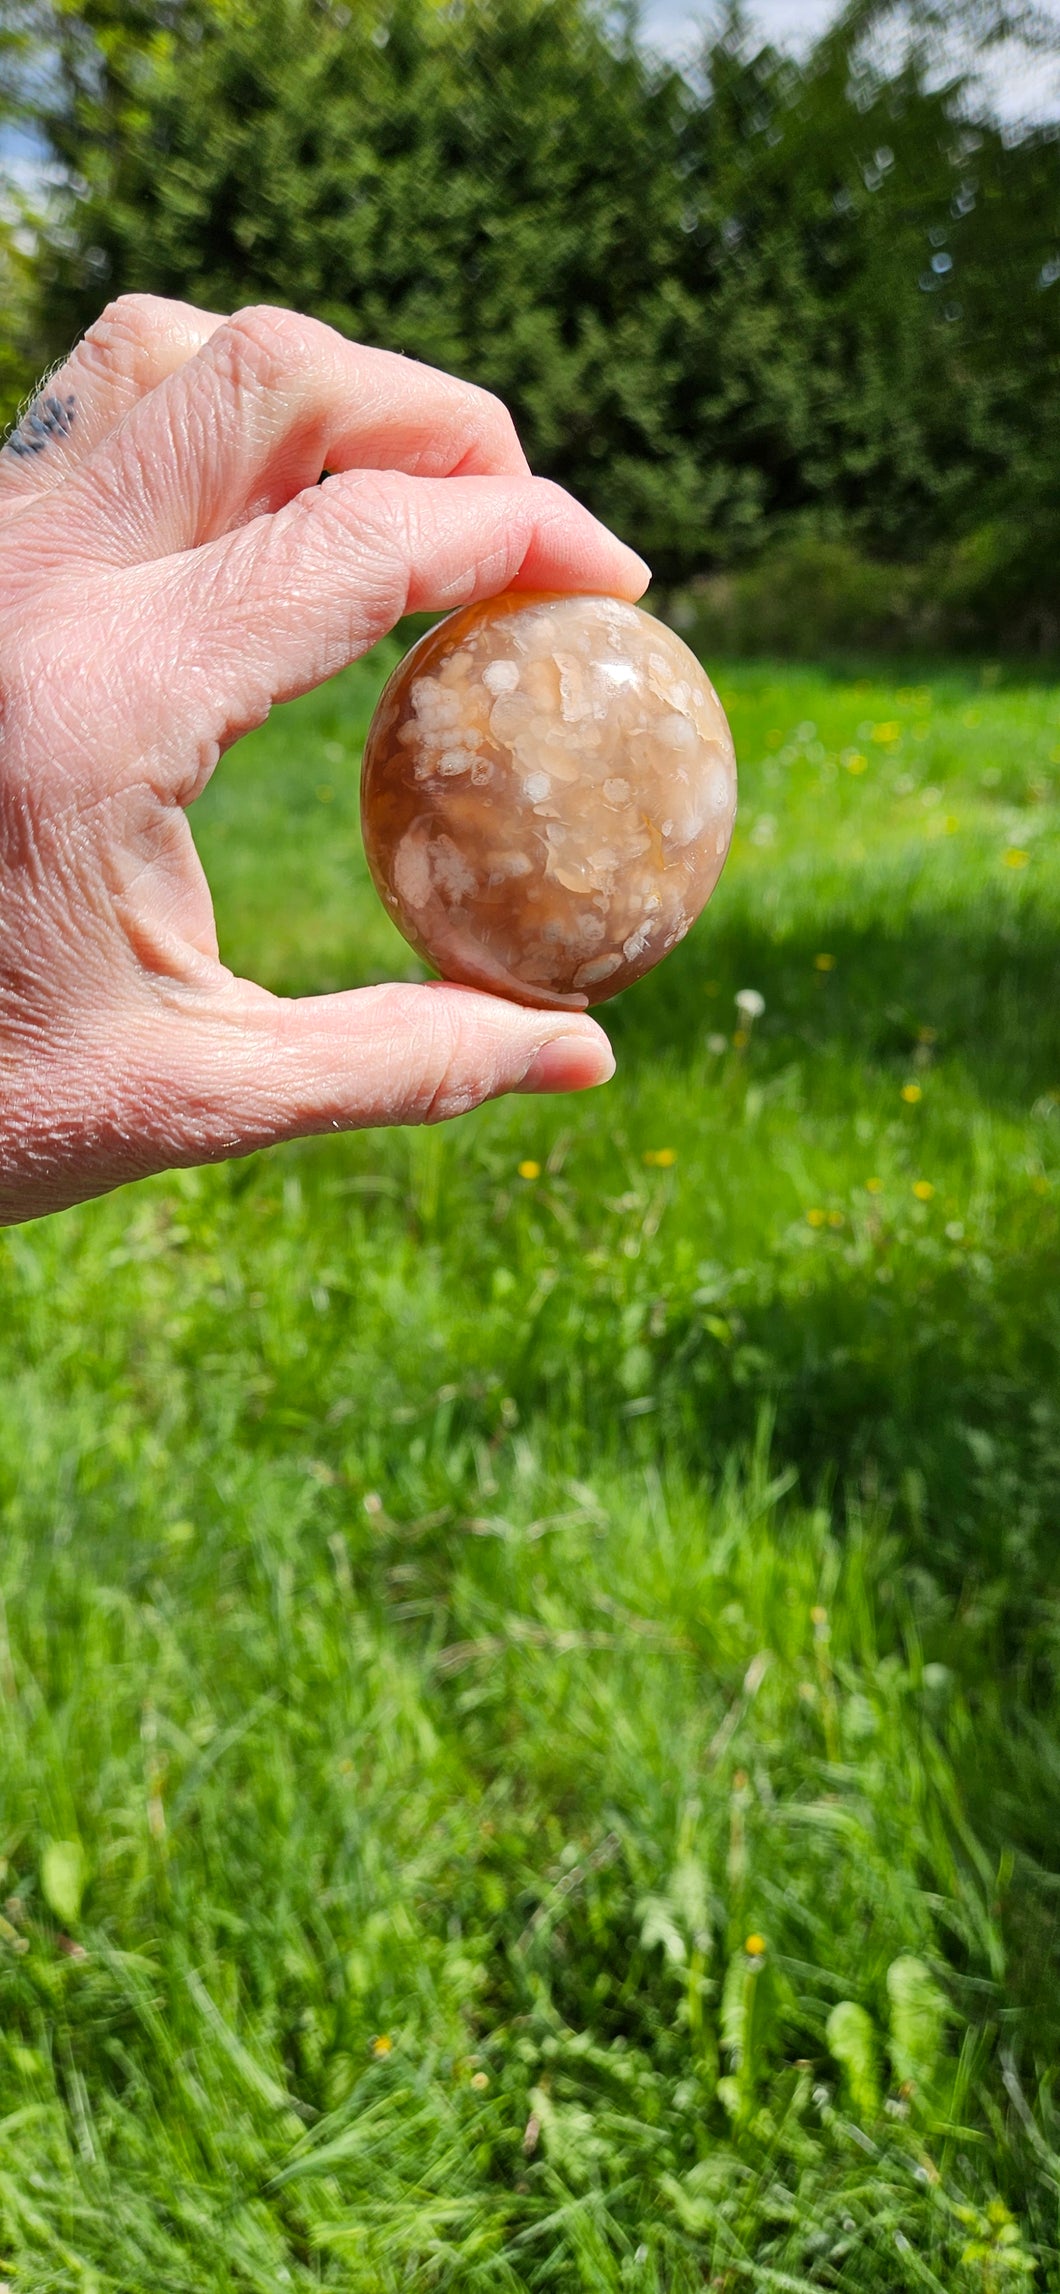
(547, 797)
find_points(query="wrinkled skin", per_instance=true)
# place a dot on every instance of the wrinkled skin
(170, 567)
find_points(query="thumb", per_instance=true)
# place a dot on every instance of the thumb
(265, 1068)
(218, 1071)
(248, 1069)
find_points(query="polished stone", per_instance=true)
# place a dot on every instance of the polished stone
(548, 795)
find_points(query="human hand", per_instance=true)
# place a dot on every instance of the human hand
(170, 567)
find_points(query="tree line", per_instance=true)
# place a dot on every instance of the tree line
(748, 308)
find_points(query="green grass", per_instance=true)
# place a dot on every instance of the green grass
(529, 1715)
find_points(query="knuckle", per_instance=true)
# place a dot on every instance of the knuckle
(125, 332)
(485, 433)
(371, 519)
(456, 1097)
(335, 524)
(263, 344)
(547, 511)
(265, 322)
(375, 504)
(446, 1080)
(549, 500)
(496, 418)
(325, 558)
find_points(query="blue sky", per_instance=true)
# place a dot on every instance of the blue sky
(787, 20)
(1021, 86)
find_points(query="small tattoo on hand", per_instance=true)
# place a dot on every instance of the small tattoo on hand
(48, 418)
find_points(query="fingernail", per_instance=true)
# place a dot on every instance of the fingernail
(570, 1063)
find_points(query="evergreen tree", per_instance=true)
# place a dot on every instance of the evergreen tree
(760, 300)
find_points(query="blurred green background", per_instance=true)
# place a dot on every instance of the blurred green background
(530, 1651)
(790, 322)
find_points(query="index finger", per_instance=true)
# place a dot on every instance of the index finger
(267, 613)
(269, 403)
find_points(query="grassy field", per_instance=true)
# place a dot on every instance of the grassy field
(529, 1714)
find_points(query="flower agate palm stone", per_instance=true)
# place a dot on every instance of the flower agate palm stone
(548, 795)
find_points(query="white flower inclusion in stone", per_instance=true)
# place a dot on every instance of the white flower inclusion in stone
(548, 796)
(500, 676)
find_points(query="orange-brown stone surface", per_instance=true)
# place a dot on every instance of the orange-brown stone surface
(548, 795)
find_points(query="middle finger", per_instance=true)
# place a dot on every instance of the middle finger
(268, 404)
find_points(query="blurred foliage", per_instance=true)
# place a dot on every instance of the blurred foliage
(16, 319)
(729, 308)
(814, 595)
(19, 290)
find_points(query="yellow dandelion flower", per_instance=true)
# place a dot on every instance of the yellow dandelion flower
(816, 1218)
(754, 1946)
(885, 734)
(1015, 857)
(874, 1186)
(529, 1169)
(382, 2045)
(824, 963)
(911, 1092)
(660, 1158)
(857, 763)
(923, 1190)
